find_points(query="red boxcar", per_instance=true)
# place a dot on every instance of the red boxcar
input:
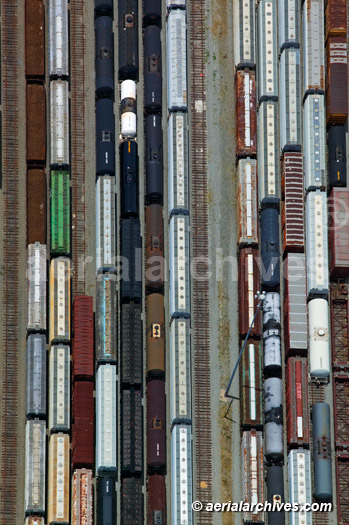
(336, 81)
(156, 499)
(246, 114)
(36, 206)
(297, 404)
(36, 124)
(248, 287)
(336, 18)
(83, 425)
(292, 208)
(82, 348)
(156, 425)
(338, 229)
(34, 39)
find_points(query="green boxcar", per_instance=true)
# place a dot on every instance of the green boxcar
(251, 387)
(60, 213)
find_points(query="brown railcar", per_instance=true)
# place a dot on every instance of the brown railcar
(36, 124)
(34, 39)
(156, 500)
(36, 206)
(336, 81)
(246, 113)
(297, 402)
(155, 335)
(292, 209)
(154, 248)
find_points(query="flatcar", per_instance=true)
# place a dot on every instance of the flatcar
(248, 273)
(106, 501)
(178, 168)
(36, 287)
(105, 222)
(152, 69)
(273, 420)
(59, 123)
(34, 39)
(59, 389)
(292, 210)
(268, 150)
(154, 248)
(60, 212)
(299, 482)
(36, 376)
(132, 501)
(247, 202)
(251, 401)
(156, 499)
(313, 47)
(129, 185)
(180, 381)
(275, 491)
(128, 39)
(155, 335)
(336, 18)
(128, 109)
(322, 452)
(179, 267)
(104, 56)
(252, 472)
(337, 156)
(35, 467)
(177, 95)
(297, 403)
(156, 426)
(267, 50)
(105, 137)
(103, 8)
(58, 480)
(270, 254)
(82, 497)
(131, 253)
(246, 113)
(83, 338)
(131, 344)
(182, 478)
(152, 12)
(60, 276)
(83, 422)
(106, 421)
(36, 206)
(244, 33)
(336, 81)
(289, 23)
(314, 142)
(34, 520)
(132, 432)
(319, 350)
(154, 159)
(36, 124)
(106, 318)
(58, 27)
(290, 101)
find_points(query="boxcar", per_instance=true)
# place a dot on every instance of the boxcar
(105, 137)
(35, 467)
(270, 254)
(36, 376)
(337, 156)
(314, 142)
(128, 39)
(58, 38)
(131, 253)
(106, 318)
(299, 482)
(295, 304)
(152, 69)
(297, 403)
(106, 501)
(322, 452)
(314, 46)
(155, 335)
(34, 39)
(58, 480)
(317, 244)
(106, 421)
(36, 206)
(83, 424)
(319, 350)
(268, 150)
(36, 124)
(180, 381)
(132, 432)
(154, 159)
(292, 208)
(336, 81)
(252, 472)
(246, 113)
(83, 338)
(156, 499)
(178, 169)
(34, 520)
(152, 12)
(244, 33)
(289, 23)
(267, 50)
(156, 426)
(105, 222)
(103, 8)
(177, 97)
(60, 275)
(179, 266)
(131, 344)
(36, 287)
(59, 389)
(59, 123)
(247, 214)
(290, 101)
(154, 248)
(275, 492)
(82, 497)
(104, 54)
(129, 179)
(248, 273)
(336, 18)
(182, 478)
(338, 207)
(251, 401)
(128, 109)
(60, 213)
(132, 501)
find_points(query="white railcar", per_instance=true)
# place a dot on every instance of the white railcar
(106, 417)
(319, 346)
(314, 142)
(58, 38)
(59, 123)
(313, 46)
(289, 23)
(60, 277)
(299, 479)
(178, 173)
(268, 150)
(59, 389)
(36, 286)
(267, 50)
(290, 101)
(105, 222)
(35, 466)
(58, 480)
(179, 266)
(128, 109)
(180, 408)
(177, 94)
(244, 19)
(182, 475)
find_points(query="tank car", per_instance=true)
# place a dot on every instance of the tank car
(272, 352)
(322, 452)
(103, 8)
(36, 287)
(129, 179)
(131, 344)
(131, 253)
(154, 159)
(106, 421)
(247, 214)
(154, 248)
(59, 123)
(106, 318)
(177, 96)
(58, 495)
(105, 222)
(128, 39)
(319, 350)
(273, 430)
(152, 12)
(179, 267)
(275, 491)
(152, 69)
(252, 473)
(267, 50)
(182, 478)
(271, 310)
(290, 101)
(178, 169)
(299, 482)
(314, 141)
(105, 134)
(289, 23)
(106, 501)
(244, 33)
(60, 275)
(156, 499)
(82, 497)
(313, 47)
(59, 389)
(58, 27)
(268, 150)
(128, 109)
(156, 426)
(337, 157)
(155, 335)
(132, 432)
(104, 62)
(36, 376)
(35, 467)
(251, 376)
(270, 253)
(132, 501)
(180, 403)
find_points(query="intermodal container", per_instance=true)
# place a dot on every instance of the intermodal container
(82, 498)
(248, 272)
(297, 403)
(58, 480)
(251, 401)
(36, 124)
(292, 207)
(336, 18)
(60, 213)
(336, 80)
(83, 424)
(34, 39)
(246, 113)
(247, 212)
(36, 206)
(295, 304)
(338, 213)
(83, 338)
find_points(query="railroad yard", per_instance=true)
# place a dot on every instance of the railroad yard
(162, 162)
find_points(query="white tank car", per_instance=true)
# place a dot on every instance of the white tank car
(128, 109)
(271, 308)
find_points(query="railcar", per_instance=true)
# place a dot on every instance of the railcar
(36, 376)
(267, 50)
(104, 56)
(182, 478)
(178, 168)
(289, 23)
(176, 4)
(129, 185)
(83, 422)
(313, 47)
(244, 33)
(177, 95)
(36, 206)
(34, 39)
(251, 376)
(338, 206)
(268, 150)
(58, 36)
(155, 335)
(247, 214)
(299, 482)
(59, 389)
(83, 338)
(252, 473)
(131, 253)
(36, 124)
(180, 381)
(336, 81)
(275, 491)
(179, 267)
(128, 109)
(272, 352)
(322, 452)
(36, 287)
(273, 420)
(59, 123)
(106, 501)
(154, 248)
(297, 403)
(103, 8)
(131, 344)
(105, 222)
(156, 499)
(152, 69)
(246, 113)
(337, 156)
(106, 421)
(60, 212)
(248, 272)
(60, 285)
(290, 101)
(58, 495)
(106, 318)
(314, 142)
(105, 137)
(128, 39)
(271, 310)
(336, 18)
(132, 432)
(152, 12)
(156, 426)
(35, 467)
(319, 350)
(270, 254)
(82, 497)
(154, 159)
(132, 501)
(292, 210)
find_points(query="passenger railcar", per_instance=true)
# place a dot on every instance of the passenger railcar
(34, 39)
(36, 376)
(106, 501)
(180, 356)
(105, 137)
(313, 47)
(337, 156)
(292, 208)
(338, 206)
(152, 12)
(154, 159)
(154, 248)
(273, 420)
(59, 389)
(299, 482)
(106, 421)
(336, 81)
(58, 495)
(132, 501)
(319, 350)
(156, 499)
(83, 338)
(82, 497)
(106, 318)
(36, 124)
(104, 56)
(270, 254)
(182, 478)
(248, 273)
(268, 150)
(275, 492)
(179, 267)
(58, 38)
(60, 275)
(177, 96)
(252, 472)
(322, 452)
(152, 69)
(103, 8)
(244, 33)
(128, 109)
(156, 426)
(132, 432)
(35, 467)
(129, 185)
(36, 206)
(297, 403)
(131, 253)
(36, 287)
(83, 420)
(60, 212)
(155, 335)
(131, 344)
(290, 101)
(247, 214)
(314, 142)
(289, 23)
(178, 169)
(267, 50)
(128, 39)
(251, 376)
(246, 113)
(59, 123)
